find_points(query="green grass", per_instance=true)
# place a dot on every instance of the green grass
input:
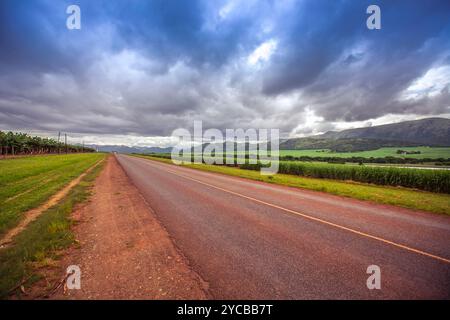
(403, 197)
(426, 152)
(427, 180)
(40, 243)
(27, 182)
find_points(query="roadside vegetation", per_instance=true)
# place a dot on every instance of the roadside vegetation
(399, 196)
(40, 244)
(27, 182)
(12, 143)
(410, 153)
(394, 155)
(427, 180)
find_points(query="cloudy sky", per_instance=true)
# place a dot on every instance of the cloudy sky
(137, 70)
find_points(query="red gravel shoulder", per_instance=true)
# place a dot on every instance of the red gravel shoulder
(124, 252)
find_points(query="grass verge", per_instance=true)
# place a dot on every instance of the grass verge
(403, 197)
(40, 243)
(27, 182)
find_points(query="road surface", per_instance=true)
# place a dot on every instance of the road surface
(253, 240)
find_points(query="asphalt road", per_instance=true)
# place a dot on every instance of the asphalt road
(253, 240)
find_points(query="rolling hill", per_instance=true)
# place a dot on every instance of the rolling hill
(424, 132)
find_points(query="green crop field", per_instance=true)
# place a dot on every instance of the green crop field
(428, 180)
(432, 153)
(425, 152)
(40, 244)
(27, 182)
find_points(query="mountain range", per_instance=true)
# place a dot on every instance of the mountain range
(424, 132)
(127, 149)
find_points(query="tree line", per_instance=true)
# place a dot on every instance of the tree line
(17, 143)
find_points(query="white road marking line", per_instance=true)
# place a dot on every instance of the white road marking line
(398, 245)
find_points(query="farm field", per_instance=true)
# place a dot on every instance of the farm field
(27, 182)
(39, 245)
(425, 152)
(428, 180)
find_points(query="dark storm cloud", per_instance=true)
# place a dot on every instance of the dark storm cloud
(176, 30)
(333, 57)
(33, 38)
(148, 67)
(315, 34)
(322, 31)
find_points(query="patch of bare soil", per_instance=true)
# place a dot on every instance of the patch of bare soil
(123, 251)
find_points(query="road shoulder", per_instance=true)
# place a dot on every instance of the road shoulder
(123, 251)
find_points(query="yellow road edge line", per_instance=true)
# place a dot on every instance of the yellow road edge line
(398, 245)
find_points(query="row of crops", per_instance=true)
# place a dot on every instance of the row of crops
(17, 143)
(428, 180)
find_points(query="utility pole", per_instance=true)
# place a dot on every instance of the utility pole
(65, 141)
(59, 138)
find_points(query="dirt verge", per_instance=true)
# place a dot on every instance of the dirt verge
(123, 252)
